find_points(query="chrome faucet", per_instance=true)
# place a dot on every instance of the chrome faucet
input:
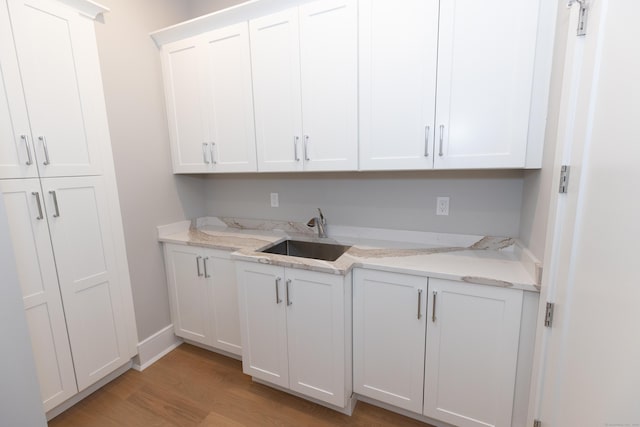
(319, 222)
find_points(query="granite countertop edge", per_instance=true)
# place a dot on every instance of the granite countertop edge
(506, 271)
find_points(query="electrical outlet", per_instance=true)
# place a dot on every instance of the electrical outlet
(274, 200)
(442, 206)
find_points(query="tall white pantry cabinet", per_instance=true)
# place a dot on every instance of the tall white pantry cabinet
(58, 183)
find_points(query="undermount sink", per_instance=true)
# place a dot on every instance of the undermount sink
(314, 250)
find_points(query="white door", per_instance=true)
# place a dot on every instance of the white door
(40, 292)
(389, 330)
(61, 77)
(223, 296)
(592, 374)
(275, 61)
(229, 98)
(485, 73)
(188, 293)
(398, 55)
(316, 334)
(471, 353)
(263, 321)
(16, 150)
(329, 70)
(183, 81)
(81, 233)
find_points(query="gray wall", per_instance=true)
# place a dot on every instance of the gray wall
(150, 194)
(538, 185)
(203, 7)
(482, 202)
(20, 404)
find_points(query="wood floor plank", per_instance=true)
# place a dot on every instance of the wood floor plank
(195, 387)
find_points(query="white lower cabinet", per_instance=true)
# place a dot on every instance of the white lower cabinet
(472, 352)
(41, 294)
(75, 299)
(389, 322)
(467, 361)
(203, 296)
(296, 329)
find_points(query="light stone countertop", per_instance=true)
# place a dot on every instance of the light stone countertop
(494, 261)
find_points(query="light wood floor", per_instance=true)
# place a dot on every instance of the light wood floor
(195, 387)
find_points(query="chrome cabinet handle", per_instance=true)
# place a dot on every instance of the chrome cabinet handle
(441, 153)
(204, 263)
(213, 151)
(306, 149)
(427, 131)
(204, 153)
(198, 258)
(43, 141)
(37, 196)
(26, 143)
(295, 148)
(278, 300)
(289, 302)
(433, 308)
(55, 204)
(419, 303)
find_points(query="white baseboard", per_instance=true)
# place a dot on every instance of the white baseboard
(151, 349)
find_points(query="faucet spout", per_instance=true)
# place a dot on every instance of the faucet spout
(319, 222)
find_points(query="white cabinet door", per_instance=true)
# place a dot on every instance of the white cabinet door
(229, 98)
(398, 51)
(389, 330)
(472, 350)
(329, 70)
(485, 75)
(263, 321)
(275, 61)
(188, 131)
(61, 77)
(316, 334)
(38, 280)
(188, 293)
(224, 316)
(81, 232)
(16, 151)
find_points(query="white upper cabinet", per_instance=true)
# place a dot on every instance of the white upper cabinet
(371, 85)
(183, 74)
(16, 150)
(58, 61)
(275, 60)
(398, 52)
(485, 79)
(329, 70)
(305, 87)
(229, 99)
(210, 102)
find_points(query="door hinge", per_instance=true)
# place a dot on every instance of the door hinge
(564, 179)
(548, 315)
(582, 16)
(537, 423)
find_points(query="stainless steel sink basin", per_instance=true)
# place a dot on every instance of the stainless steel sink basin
(314, 250)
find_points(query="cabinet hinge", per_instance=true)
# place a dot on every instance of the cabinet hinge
(537, 423)
(582, 16)
(548, 315)
(564, 179)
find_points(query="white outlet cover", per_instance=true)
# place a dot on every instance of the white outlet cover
(274, 200)
(442, 206)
